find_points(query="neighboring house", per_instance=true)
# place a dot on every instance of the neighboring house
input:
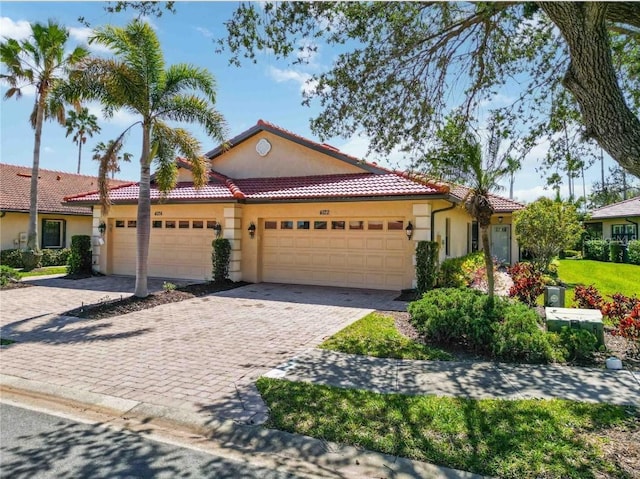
(57, 221)
(618, 221)
(295, 211)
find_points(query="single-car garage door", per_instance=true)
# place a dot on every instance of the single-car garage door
(359, 253)
(178, 248)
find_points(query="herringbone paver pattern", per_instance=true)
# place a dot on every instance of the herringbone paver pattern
(202, 354)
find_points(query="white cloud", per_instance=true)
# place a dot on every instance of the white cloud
(307, 85)
(29, 90)
(120, 118)
(205, 32)
(150, 22)
(82, 35)
(48, 149)
(18, 30)
(358, 146)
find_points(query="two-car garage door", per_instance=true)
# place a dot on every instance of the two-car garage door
(359, 253)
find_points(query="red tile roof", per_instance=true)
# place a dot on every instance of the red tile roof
(500, 204)
(288, 188)
(53, 187)
(626, 208)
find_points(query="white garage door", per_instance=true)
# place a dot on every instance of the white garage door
(370, 253)
(177, 248)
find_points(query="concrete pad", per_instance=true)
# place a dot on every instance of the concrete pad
(579, 384)
(477, 380)
(331, 368)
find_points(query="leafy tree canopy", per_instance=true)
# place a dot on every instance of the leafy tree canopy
(406, 65)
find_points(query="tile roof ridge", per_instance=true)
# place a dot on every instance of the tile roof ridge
(229, 182)
(93, 192)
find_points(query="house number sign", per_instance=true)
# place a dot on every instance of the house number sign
(324, 212)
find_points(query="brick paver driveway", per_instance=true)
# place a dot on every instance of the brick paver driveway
(202, 354)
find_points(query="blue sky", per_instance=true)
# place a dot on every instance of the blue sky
(270, 90)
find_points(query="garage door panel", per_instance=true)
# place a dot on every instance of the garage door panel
(350, 258)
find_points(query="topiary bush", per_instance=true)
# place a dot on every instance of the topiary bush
(221, 258)
(79, 262)
(633, 250)
(597, 250)
(11, 258)
(616, 252)
(426, 265)
(8, 274)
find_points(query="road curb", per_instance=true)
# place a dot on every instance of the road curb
(328, 459)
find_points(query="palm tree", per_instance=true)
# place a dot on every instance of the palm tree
(39, 61)
(457, 156)
(136, 80)
(81, 125)
(115, 158)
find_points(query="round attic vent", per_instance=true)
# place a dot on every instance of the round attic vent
(263, 147)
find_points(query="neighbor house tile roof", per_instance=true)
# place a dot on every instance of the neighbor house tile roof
(53, 187)
(499, 203)
(626, 208)
(220, 187)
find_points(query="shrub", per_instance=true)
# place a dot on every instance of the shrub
(11, 258)
(616, 252)
(8, 274)
(220, 258)
(518, 337)
(619, 308)
(80, 257)
(168, 286)
(527, 283)
(426, 265)
(597, 250)
(459, 272)
(633, 250)
(452, 315)
(55, 257)
(629, 327)
(587, 297)
(578, 343)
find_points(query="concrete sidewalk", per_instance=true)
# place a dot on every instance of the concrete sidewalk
(478, 380)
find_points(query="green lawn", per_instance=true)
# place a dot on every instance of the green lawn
(6, 342)
(376, 335)
(608, 278)
(44, 271)
(520, 439)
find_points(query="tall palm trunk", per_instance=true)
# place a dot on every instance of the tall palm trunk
(143, 226)
(488, 260)
(79, 154)
(32, 235)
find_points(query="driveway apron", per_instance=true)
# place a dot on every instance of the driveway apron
(202, 354)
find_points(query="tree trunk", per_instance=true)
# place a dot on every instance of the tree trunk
(79, 154)
(488, 260)
(32, 235)
(143, 226)
(592, 80)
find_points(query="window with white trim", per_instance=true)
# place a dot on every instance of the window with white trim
(53, 233)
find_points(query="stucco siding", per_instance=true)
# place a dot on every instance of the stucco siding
(13, 224)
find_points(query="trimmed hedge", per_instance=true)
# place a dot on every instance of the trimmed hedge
(50, 257)
(459, 272)
(597, 250)
(80, 257)
(633, 250)
(426, 265)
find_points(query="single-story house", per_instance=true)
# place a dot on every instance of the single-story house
(295, 211)
(57, 221)
(618, 221)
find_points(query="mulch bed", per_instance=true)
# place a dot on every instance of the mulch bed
(133, 303)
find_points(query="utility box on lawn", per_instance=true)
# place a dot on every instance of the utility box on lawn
(554, 296)
(587, 319)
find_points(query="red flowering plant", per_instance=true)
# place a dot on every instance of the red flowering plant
(587, 297)
(620, 307)
(528, 283)
(629, 328)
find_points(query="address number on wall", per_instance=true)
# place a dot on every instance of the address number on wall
(324, 212)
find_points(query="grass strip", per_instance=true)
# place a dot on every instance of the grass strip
(376, 335)
(519, 439)
(44, 271)
(608, 278)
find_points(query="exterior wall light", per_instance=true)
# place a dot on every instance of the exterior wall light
(500, 218)
(218, 229)
(252, 230)
(409, 230)
(102, 227)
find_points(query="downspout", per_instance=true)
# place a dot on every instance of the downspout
(433, 214)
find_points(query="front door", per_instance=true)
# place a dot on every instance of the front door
(500, 242)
